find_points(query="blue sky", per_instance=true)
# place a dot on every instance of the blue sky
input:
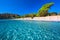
(22, 7)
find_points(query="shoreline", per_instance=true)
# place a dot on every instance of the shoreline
(47, 18)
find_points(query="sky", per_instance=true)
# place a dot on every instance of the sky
(23, 7)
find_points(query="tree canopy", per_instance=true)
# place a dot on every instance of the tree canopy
(43, 11)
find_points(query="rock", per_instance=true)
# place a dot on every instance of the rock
(8, 16)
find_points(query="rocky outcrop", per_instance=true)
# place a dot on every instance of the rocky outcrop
(8, 16)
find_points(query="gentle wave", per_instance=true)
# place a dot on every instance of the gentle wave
(29, 30)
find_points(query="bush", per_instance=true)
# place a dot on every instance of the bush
(53, 14)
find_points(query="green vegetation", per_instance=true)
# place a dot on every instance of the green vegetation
(18, 17)
(53, 14)
(29, 15)
(43, 11)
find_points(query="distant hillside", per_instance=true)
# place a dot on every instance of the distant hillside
(8, 16)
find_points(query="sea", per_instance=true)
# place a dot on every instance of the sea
(29, 30)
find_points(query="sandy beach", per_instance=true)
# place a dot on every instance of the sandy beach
(47, 18)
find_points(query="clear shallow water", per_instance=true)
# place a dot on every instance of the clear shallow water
(29, 30)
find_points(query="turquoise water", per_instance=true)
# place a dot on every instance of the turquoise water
(29, 30)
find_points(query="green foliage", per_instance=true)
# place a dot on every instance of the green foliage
(29, 15)
(46, 6)
(53, 14)
(59, 14)
(18, 17)
(44, 9)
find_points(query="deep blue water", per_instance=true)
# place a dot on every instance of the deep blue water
(29, 30)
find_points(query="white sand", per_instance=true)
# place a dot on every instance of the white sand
(47, 18)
